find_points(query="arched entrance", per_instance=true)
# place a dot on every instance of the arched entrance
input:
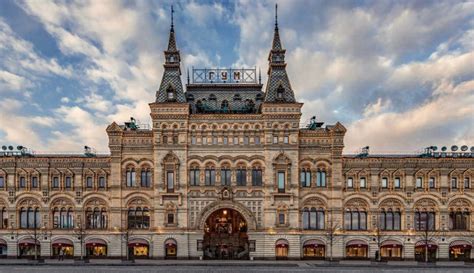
(171, 249)
(225, 235)
(62, 247)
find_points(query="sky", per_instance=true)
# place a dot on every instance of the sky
(399, 75)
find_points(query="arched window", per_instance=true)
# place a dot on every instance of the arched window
(194, 176)
(3, 218)
(459, 219)
(424, 220)
(212, 97)
(225, 105)
(305, 177)
(30, 218)
(321, 178)
(237, 97)
(130, 177)
(241, 176)
(313, 219)
(259, 97)
(145, 177)
(210, 175)
(225, 176)
(256, 176)
(355, 219)
(96, 218)
(280, 92)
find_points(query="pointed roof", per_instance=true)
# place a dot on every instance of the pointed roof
(278, 87)
(172, 38)
(276, 45)
(171, 81)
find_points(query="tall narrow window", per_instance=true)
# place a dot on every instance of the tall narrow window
(275, 139)
(89, 182)
(281, 218)
(467, 183)
(145, 178)
(225, 177)
(350, 182)
(236, 140)
(362, 183)
(384, 182)
(2, 182)
(256, 177)
(131, 176)
(210, 177)
(102, 182)
(194, 177)
(305, 178)
(204, 140)
(286, 140)
(193, 140)
(321, 178)
(68, 182)
(22, 182)
(396, 183)
(55, 182)
(281, 182)
(257, 140)
(432, 183)
(225, 140)
(419, 183)
(241, 177)
(246, 140)
(454, 183)
(170, 181)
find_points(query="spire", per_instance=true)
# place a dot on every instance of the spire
(276, 45)
(278, 87)
(172, 38)
(171, 87)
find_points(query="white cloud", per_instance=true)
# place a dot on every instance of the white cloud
(10, 81)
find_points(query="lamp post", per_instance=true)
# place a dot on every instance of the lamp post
(81, 233)
(124, 236)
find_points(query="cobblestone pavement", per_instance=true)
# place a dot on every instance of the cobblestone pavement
(217, 269)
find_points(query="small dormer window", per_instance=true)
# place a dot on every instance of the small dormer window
(237, 97)
(170, 93)
(280, 92)
(171, 59)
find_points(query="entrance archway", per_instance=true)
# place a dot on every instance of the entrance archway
(225, 235)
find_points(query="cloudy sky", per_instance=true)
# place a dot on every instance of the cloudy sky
(398, 74)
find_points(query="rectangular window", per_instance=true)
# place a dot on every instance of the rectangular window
(362, 183)
(286, 140)
(236, 140)
(281, 218)
(384, 182)
(68, 183)
(275, 139)
(22, 182)
(397, 183)
(350, 182)
(419, 182)
(467, 183)
(2, 182)
(241, 177)
(305, 178)
(102, 182)
(214, 140)
(454, 183)
(204, 140)
(281, 182)
(130, 177)
(257, 140)
(321, 179)
(225, 140)
(246, 140)
(89, 182)
(170, 218)
(194, 177)
(55, 182)
(256, 177)
(170, 181)
(193, 140)
(210, 177)
(432, 183)
(225, 177)
(175, 139)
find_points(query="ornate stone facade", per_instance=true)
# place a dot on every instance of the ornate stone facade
(295, 193)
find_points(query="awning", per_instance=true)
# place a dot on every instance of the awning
(391, 243)
(27, 241)
(98, 242)
(314, 242)
(137, 241)
(461, 243)
(431, 244)
(63, 242)
(281, 242)
(358, 243)
(170, 242)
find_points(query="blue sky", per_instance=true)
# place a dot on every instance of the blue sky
(398, 74)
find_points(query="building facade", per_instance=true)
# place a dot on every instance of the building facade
(227, 172)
